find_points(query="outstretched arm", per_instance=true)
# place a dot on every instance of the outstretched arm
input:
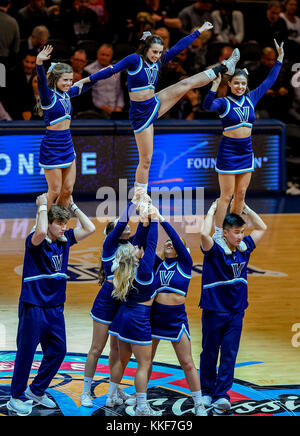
(259, 92)
(211, 103)
(86, 228)
(46, 95)
(184, 43)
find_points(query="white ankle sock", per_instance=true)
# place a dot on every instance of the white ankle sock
(87, 384)
(142, 185)
(141, 399)
(113, 389)
(197, 397)
(210, 74)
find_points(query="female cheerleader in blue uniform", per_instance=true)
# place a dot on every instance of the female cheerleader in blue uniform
(145, 105)
(135, 286)
(235, 160)
(57, 155)
(169, 318)
(105, 306)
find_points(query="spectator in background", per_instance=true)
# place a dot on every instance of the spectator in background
(32, 15)
(271, 26)
(9, 35)
(78, 62)
(277, 100)
(162, 13)
(36, 41)
(4, 115)
(292, 21)
(164, 33)
(19, 86)
(31, 108)
(195, 15)
(228, 23)
(198, 51)
(80, 22)
(107, 95)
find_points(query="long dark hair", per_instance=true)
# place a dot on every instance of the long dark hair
(147, 43)
(101, 273)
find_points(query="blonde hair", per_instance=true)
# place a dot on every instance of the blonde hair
(125, 273)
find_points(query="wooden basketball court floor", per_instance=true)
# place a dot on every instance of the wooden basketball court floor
(267, 374)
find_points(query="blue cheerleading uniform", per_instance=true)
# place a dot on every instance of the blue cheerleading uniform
(235, 155)
(105, 306)
(169, 322)
(143, 75)
(132, 321)
(57, 149)
(224, 298)
(41, 307)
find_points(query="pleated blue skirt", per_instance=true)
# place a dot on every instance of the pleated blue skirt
(57, 149)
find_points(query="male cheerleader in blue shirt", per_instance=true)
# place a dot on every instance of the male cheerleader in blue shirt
(224, 298)
(41, 305)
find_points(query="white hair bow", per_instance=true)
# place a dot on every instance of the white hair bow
(246, 71)
(145, 35)
(115, 264)
(51, 67)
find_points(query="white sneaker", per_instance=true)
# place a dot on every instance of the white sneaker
(200, 410)
(206, 400)
(21, 408)
(221, 241)
(242, 246)
(146, 410)
(121, 394)
(44, 400)
(86, 399)
(232, 61)
(131, 401)
(222, 404)
(113, 401)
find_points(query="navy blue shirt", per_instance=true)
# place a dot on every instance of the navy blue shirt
(224, 279)
(45, 266)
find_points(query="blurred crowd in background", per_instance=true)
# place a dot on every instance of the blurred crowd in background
(92, 34)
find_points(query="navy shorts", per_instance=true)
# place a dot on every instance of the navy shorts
(132, 324)
(57, 149)
(169, 322)
(105, 306)
(235, 156)
(143, 113)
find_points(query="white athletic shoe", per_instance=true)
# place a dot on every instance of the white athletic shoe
(146, 410)
(222, 404)
(131, 401)
(44, 400)
(232, 61)
(21, 408)
(206, 400)
(121, 394)
(200, 410)
(86, 399)
(221, 241)
(113, 401)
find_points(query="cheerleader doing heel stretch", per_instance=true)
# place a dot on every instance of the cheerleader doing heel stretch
(57, 155)
(235, 160)
(145, 105)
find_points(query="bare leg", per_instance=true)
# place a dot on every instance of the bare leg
(142, 353)
(184, 355)
(226, 183)
(100, 335)
(170, 96)
(118, 367)
(54, 181)
(68, 181)
(242, 182)
(144, 142)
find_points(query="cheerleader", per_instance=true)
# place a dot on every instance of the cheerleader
(145, 105)
(169, 318)
(135, 286)
(105, 306)
(235, 160)
(57, 155)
